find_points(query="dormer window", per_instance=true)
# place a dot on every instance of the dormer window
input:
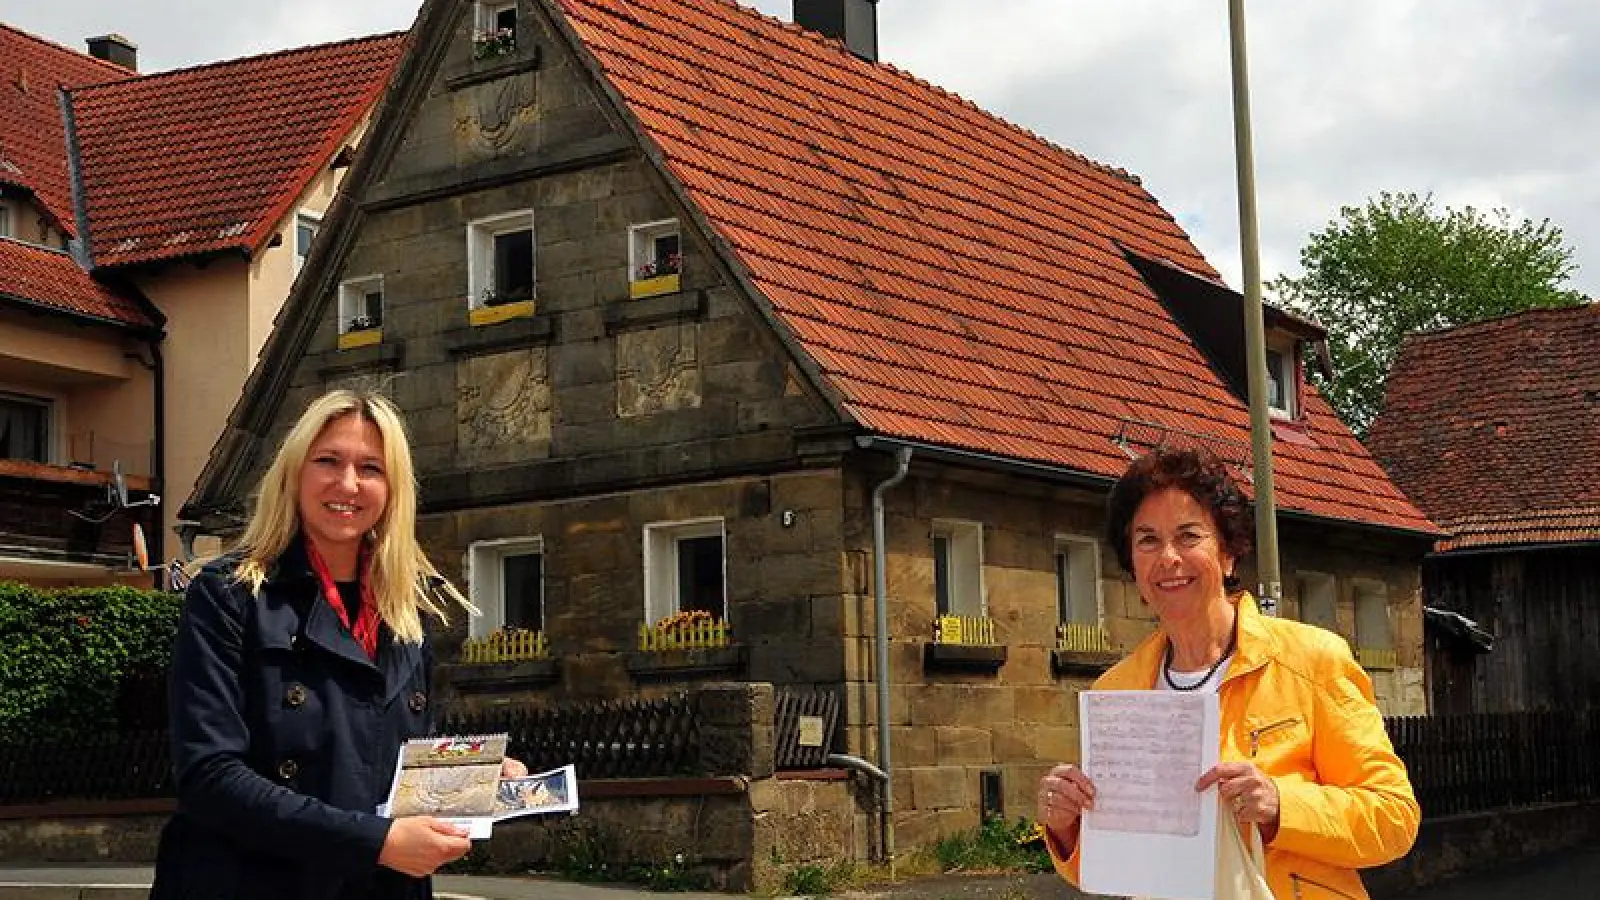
(495, 34)
(1282, 385)
(6, 230)
(655, 258)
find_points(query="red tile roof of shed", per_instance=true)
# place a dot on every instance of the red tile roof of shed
(211, 158)
(957, 279)
(32, 148)
(50, 278)
(1493, 427)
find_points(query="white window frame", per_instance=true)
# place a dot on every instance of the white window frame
(1285, 372)
(486, 581)
(1326, 585)
(480, 251)
(488, 14)
(1083, 577)
(315, 221)
(965, 579)
(1367, 588)
(661, 563)
(353, 300)
(52, 421)
(641, 241)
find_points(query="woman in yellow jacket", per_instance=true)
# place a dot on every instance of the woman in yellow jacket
(1304, 754)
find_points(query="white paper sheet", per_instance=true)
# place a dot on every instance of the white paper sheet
(1150, 834)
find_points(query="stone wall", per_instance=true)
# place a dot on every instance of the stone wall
(949, 727)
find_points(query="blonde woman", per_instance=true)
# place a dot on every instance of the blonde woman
(302, 663)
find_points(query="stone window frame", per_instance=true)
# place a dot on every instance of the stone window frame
(304, 218)
(353, 294)
(485, 581)
(1082, 557)
(660, 542)
(480, 252)
(964, 555)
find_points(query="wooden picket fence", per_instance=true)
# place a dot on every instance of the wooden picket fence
(963, 630)
(1082, 637)
(697, 634)
(505, 646)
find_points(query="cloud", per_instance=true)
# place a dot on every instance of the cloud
(1478, 101)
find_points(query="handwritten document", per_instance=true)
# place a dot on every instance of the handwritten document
(1144, 750)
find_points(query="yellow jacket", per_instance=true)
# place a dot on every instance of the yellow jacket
(1295, 703)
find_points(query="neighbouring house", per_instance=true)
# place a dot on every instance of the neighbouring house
(150, 228)
(671, 291)
(1492, 428)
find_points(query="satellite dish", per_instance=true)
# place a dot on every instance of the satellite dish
(141, 552)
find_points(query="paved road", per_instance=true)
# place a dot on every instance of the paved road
(1568, 875)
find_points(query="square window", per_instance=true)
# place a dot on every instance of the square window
(506, 582)
(958, 568)
(685, 568)
(306, 227)
(500, 260)
(361, 304)
(1281, 383)
(1078, 580)
(495, 29)
(654, 250)
(1318, 593)
(24, 428)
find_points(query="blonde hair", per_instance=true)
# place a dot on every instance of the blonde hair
(404, 583)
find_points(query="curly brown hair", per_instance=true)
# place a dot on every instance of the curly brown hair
(1195, 471)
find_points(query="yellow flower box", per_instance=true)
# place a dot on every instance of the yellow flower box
(650, 287)
(505, 312)
(366, 337)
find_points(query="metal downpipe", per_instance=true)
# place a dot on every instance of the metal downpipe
(880, 591)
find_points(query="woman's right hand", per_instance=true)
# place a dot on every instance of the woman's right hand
(417, 845)
(1064, 793)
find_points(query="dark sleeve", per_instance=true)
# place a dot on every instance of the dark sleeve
(211, 742)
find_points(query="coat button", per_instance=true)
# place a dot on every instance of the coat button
(294, 642)
(419, 702)
(295, 695)
(288, 769)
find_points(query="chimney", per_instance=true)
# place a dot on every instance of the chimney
(115, 49)
(855, 22)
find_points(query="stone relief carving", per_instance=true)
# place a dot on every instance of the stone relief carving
(658, 369)
(503, 407)
(492, 119)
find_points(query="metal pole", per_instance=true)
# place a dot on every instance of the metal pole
(880, 638)
(1270, 584)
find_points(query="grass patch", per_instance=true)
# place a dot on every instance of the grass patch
(995, 846)
(816, 880)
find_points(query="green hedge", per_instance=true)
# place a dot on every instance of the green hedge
(64, 654)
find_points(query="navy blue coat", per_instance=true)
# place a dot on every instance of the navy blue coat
(284, 739)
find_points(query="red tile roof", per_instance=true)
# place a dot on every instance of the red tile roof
(50, 278)
(957, 279)
(32, 148)
(211, 158)
(1493, 427)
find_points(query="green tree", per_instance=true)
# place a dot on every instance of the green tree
(1400, 264)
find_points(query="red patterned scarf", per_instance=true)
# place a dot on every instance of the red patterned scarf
(365, 630)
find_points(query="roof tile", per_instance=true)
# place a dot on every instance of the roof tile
(52, 279)
(1492, 427)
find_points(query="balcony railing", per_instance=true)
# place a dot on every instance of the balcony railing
(506, 645)
(1083, 637)
(674, 633)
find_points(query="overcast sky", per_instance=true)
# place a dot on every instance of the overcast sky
(1482, 102)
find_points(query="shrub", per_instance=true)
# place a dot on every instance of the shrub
(66, 653)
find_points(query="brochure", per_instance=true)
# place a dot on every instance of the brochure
(457, 778)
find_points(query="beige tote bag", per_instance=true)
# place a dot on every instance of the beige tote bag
(1241, 867)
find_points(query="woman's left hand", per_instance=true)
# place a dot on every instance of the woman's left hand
(1251, 795)
(512, 768)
